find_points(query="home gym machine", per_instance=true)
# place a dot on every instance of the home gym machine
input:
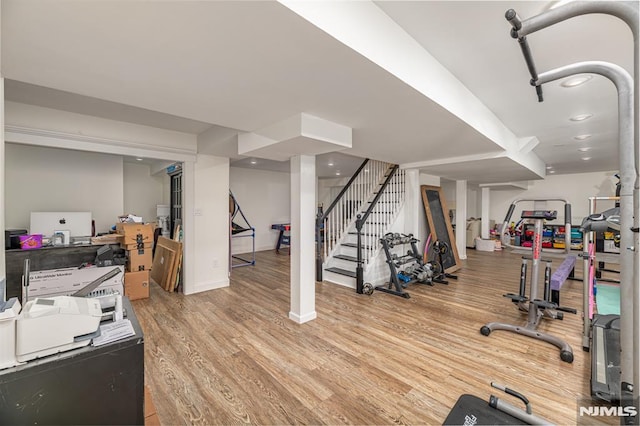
(628, 96)
(536, 308)
(504, 231)
(404, 269)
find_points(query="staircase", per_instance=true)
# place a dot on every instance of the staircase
(374, 195)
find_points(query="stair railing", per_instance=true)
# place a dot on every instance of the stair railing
(332, 224)
(391, 192)
(383, 214)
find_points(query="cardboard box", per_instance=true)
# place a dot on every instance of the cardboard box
(139, 260)
(67, 281)
(135, 235)
(136, 285)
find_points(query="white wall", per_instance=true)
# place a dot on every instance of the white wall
(265, 199)
(206, 222)
(575, 188)
(142, 191)
(50, 179)
(327, 189)
(474, 201)
(377, 271)
(449, 192)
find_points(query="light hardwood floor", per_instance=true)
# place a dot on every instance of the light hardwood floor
(232, 355)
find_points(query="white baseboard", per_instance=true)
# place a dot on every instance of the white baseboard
(206, 286)
(301, 319)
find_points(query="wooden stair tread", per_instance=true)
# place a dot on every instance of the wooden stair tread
(346, 257)
(341, 271)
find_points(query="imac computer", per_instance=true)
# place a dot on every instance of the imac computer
(75, 224)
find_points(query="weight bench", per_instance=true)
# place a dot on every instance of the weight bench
(560, 276)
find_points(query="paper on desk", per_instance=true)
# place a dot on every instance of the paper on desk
(113, 331)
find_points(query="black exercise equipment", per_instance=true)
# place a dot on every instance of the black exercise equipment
(536, 308)
(504, 230)
(471, 410)
(240, 231)
(404, 269)
(441, 248)
(605, 358)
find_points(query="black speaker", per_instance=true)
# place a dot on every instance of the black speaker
(12, 238)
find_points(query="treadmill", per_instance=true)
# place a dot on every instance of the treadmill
(605, 329)
(605, 358)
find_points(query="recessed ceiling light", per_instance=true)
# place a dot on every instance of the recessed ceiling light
(549, 167)
(139, 159)
(581, 117)
(582, 137)
(366, 170)
(586, 158)
(576, 81)
(552, 172)
(585, 149)
(253, 162)
(330, 164)
(337, 173)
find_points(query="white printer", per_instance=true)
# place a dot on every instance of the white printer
(9, 311)
(50, 325)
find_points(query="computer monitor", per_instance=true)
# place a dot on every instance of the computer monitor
(47, 223)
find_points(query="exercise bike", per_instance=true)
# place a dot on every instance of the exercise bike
(536, 308)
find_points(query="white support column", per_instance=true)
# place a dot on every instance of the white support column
(486, 199)
(461, 218)
(303, 197)
(188, 227)
(3, 273)
(2, 260)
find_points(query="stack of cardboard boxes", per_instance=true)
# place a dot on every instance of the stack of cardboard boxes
(137, 240)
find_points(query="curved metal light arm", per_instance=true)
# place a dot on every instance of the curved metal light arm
(625, 10)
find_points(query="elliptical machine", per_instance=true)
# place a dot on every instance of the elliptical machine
(536, 308)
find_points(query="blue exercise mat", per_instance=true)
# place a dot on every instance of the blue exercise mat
(608, 299)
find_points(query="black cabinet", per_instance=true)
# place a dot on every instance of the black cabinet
(88, 386)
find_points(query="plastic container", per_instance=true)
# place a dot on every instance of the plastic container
(485, 245)
(30, 241)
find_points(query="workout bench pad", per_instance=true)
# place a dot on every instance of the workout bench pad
(471, 410)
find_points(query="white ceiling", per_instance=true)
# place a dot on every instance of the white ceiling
(241, 66)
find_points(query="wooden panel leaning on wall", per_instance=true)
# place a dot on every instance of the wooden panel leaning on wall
(439, 226)
(166, 263)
